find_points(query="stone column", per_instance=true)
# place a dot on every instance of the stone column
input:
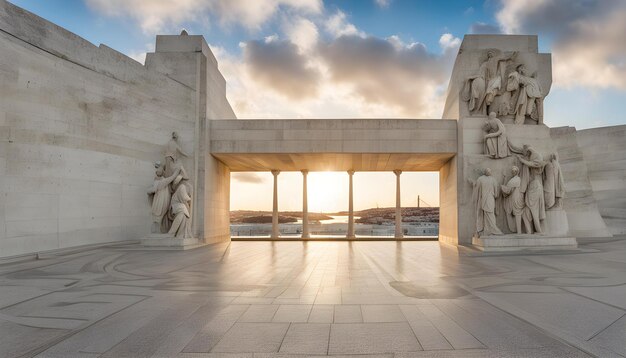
(275, 231)
(350, 234)
(399, 234)
(305, 206)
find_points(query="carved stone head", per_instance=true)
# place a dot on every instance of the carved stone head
(492, 115)
(487, 171)
(514, 170)
(174, 135)
(159, 171)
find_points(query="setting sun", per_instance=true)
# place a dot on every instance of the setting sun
(326, 191)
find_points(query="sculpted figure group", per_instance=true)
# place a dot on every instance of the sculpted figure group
(170, 194)
(505, 87)
(523, 198)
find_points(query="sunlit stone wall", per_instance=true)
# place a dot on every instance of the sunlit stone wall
(80, 128)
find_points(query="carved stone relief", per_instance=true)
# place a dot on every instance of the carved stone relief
(527, 193)
(171, 194)
(504, 86)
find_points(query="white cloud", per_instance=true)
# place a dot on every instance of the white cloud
(383, 4)
(349, 76)
(161, 15)
(449, 42)
(588, 46)
(302, 32)
(279, 66)
(338, 25)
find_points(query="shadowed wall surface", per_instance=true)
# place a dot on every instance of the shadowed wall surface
(604, 150)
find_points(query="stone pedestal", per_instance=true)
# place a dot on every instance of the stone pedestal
(523, 242)
(556, 223)
(167, 242)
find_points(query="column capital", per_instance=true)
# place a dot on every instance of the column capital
(304, 171)
(351, 172)
(275, 172)
(397, 172)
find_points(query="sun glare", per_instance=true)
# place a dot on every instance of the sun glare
(326, 190)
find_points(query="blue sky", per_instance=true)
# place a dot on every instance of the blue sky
(583, 105)
(367, 58)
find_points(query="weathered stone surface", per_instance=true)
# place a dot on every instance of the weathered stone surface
(604, 152)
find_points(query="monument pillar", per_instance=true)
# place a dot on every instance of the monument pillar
(275, 231)
(305, 206)
(398, 234)
(189, 60)
(350, 234)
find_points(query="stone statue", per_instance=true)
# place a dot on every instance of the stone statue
(532, 186)
(172, 153)
(526, 96)
(496, 142)
(481, 89)
(513, 202)
(485, 194)
(553, 183)
(160, 196)
(181, 209)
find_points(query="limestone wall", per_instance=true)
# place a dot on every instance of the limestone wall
(604, 151)
(580, 202)
(80, 128)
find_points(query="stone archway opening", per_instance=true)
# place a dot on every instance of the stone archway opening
(331, 205)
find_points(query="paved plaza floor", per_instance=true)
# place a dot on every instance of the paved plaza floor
(266, 299)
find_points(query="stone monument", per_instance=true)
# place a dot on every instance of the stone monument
(171, 202)
(497, 90)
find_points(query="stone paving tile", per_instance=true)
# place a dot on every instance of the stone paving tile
(259, 313)
(369, 338)
(454, 334)
(613, 337)
(104, 335)
(348, 314)
(567, 311)
(292, 313)
(252, 337)
(145, 341)
(427, 334)
(138, 303)
(382, 313)
(564, 352)
(322, 314)
(208, 336)
(17, 340)
(306, 338)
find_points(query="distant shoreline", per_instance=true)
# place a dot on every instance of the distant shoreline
(367, 216)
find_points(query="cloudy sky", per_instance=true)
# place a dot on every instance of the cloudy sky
(365, 58)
